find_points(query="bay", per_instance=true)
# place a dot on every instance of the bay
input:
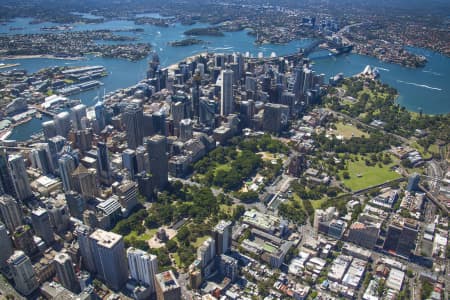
(423, 89)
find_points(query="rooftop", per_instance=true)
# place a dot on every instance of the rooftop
(106, 239)
(167, 281)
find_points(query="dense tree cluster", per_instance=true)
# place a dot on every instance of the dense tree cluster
(376, 101)
(376, 142)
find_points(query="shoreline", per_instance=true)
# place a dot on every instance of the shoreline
(172, 67)
(5, 66)
(34, 56)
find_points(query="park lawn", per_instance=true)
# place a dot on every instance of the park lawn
(148, 234)
(177, 260)
(370, 175)
(228, 209)
(348, 130)
(316, 204)
(200, 241)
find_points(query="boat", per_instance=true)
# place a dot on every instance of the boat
(38, 115)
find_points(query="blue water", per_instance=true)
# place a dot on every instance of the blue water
(425, 89)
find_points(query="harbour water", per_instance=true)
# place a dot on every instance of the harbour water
(425, 89)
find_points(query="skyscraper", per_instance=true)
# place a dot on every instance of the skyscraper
(132, 118)
(49, 129)
(66, 167)
(20, 177)
(40, 158)
(167, 287)
(83, 232)
(196, 82)
(104, 169)
(186, 129)
(129, 162)
(25, 280)
(76, 204)
(7, 248)
(77, 113)
(55, 146)
(109, 257)
(100, 115)
(41, 225)
(6, 183)
(226, 100)
(65, 272)
(222, 236)
(85, 181)
(275, 117)
(143, 267)
(206, 252)
(62, 123)
(10, 212)
(159, 163)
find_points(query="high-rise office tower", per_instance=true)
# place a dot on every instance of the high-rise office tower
(206, 252)
(207, 111)
(401, 237)
(222, 236)
(159, 123)
(247, 111)
(100, 115)
(104, 168)
(41, 225)
(299, 81)
(7, 248)
(132, 118)
(186, 129)
(143, 267)
(55, 146)
(109, 256)
(40, 158)
(196, 82)
(142, 160)
(77, 113)
(167, 287)
(49, 128)
(229, 267)
(85, 181)
(87, 260)
(6, 183)
(226, 100)
(83, 139)
(159, 162)
(66, 273)
(177, 110)
(25, 280)
(129, 162)
(20, 177)
(309, 80)
(23, 240)
(127, 192)
(76, 204)
(66, 167)
(275, 117)
(62, 123)
(10, 212)
(58, 211)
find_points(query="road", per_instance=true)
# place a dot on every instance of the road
(344, 29)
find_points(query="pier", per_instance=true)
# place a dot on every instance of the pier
(44, 111)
